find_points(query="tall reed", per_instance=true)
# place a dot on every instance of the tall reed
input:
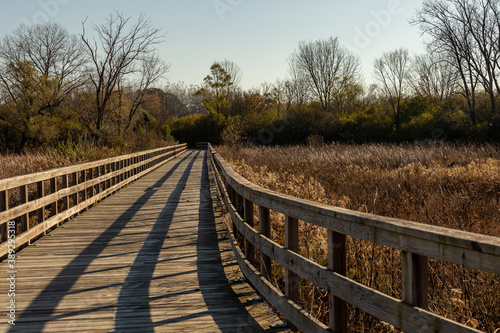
(453, 186)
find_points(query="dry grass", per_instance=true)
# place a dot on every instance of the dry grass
(12, 165)
(454, 186)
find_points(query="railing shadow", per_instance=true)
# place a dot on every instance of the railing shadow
(134, 294)
(54, 293)
(215, 287)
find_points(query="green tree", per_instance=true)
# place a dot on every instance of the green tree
(30, 96)
(214, 93)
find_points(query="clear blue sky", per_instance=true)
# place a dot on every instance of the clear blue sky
(258, 35)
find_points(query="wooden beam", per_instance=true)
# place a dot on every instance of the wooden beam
(265, 230)
(337, 263)
(292, 280)
(40, 188)
(4, 205)
(415, 283)
(25, 218)
(53, 189)
(249, 249)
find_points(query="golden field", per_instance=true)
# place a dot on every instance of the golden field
(453, 186)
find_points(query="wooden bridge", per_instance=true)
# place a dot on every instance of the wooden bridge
(134, 243)
(150, 258)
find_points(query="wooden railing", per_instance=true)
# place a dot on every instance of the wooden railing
(32, 204)
(416, 241)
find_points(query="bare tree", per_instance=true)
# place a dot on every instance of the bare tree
(151, 70)
(116, 53)
(53, 53)
(233, 70)
(391, 72)
(279, 95)
(467, 33)
(326, 63)
(434, 76)
(298, 84)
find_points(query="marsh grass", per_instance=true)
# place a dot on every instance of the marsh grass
(453, 186)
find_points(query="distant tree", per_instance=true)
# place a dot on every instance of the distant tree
(391, 72)
(297, 86)
(151, 70)
(433, 76)
(53, 53)
(466, 34)
(214, 92)
(234, 71)
(327, 65)
(40, 67)
(184, 100)
(279, 95)
(121, 49)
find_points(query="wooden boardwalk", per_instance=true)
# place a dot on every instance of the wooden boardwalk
(151, 258)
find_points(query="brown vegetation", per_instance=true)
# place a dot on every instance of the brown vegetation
(453, 186)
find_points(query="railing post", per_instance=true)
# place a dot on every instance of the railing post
(40, 188)
(25, 218)
(238, 205)
(122, 175)
(292, 281)
(53, 189)
(65, 184)
(74, 183)
(415, 273)
(249, 249)
(265, 230)
(97, 189)
(4, 205)
(84, 180)
(337, 263)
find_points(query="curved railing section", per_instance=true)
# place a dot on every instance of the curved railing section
(32, 204)
(417, 241)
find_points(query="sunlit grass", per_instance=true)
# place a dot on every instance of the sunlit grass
(453, 186)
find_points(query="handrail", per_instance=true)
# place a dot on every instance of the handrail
(417, 241)
(68, 191)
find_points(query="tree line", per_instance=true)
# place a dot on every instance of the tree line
(449, 93)
(102, 87)
(55, 86)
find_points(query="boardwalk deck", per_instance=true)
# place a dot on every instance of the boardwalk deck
(151, 258)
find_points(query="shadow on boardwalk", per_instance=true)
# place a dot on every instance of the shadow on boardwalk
(133, 308)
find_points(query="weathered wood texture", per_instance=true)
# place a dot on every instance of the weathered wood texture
(417, 242)
(68, 196)
(154, 257)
